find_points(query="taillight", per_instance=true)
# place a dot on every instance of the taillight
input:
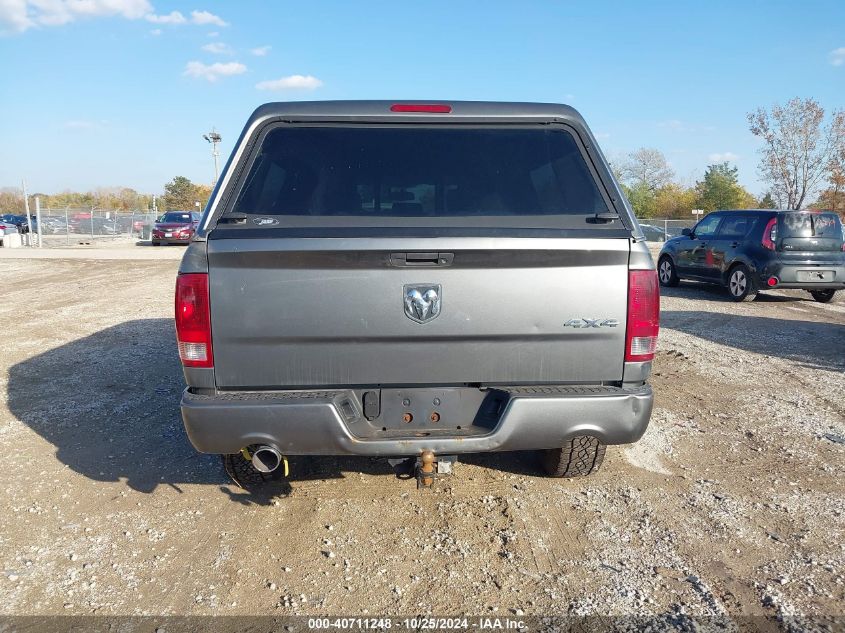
(438, 108)
(643, 316)
(770, 234)
(193, 320)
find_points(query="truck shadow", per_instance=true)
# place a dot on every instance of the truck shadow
(813, 344)
(109, 403)
(714, 292)
(526, 463)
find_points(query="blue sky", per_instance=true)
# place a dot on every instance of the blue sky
(119, 92)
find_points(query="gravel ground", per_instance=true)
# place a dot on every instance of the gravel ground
(98, 248)
(732, 504)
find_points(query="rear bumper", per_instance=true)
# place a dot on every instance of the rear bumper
(323, 423)
(804, 276)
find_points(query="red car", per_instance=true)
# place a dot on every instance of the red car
(175, 227)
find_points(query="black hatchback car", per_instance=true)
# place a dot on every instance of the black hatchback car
(751, 250)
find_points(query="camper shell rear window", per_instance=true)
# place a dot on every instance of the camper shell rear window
(526, 176)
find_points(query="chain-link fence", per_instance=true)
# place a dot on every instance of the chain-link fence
(661, 229)
(71, 226)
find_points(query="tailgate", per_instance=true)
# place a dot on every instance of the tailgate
(400, 311)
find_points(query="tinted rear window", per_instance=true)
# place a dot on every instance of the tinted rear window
(811, 225)
(419, 172)
(177, 217)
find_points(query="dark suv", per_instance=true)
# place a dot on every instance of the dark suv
(750, 250)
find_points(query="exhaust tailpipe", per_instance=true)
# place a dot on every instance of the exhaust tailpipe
(266, 459)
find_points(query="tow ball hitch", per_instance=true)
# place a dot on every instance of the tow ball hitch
(426, 469)
(429, 468)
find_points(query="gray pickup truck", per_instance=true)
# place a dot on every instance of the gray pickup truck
(416, 280)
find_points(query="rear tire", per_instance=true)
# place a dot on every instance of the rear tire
(741, 284)
(823, 296)
(579, 457)
(666, 272)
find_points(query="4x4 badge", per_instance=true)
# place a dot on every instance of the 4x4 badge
(588, 323)
(422, 301)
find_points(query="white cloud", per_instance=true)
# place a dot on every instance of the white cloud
(293, 82)
(218, 48)
(20, 15)
(174, 17)
(80, 124)
(204, 17)
(261, 51)
(85, 125)
(676, 125)
(213, 72)
(14, 15)
(722, 157)
(837, 56)
(673, 124)
(155, 32)
(64, 11)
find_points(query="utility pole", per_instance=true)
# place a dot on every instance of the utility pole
(38, 218)
(214, 138)
(26, 210)
(154, 219)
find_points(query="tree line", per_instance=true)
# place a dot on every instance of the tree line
(649, 184)
(802, 161)
(180, 194)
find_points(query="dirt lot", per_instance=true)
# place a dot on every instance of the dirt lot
(733, 503)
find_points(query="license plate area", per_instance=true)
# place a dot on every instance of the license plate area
(815, 275)
(459, 411)
(168, 235)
